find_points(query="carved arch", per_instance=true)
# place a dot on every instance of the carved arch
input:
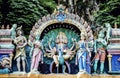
(69, 18)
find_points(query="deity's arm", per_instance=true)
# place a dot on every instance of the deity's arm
(48, 50)
(76, 60)
(95, 46)
(77, 46)
(42, 57)
(88, 50)
(72, 46)
(25, 43)
(49, 46)
(104, 42)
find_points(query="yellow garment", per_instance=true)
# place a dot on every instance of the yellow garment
(20, 52)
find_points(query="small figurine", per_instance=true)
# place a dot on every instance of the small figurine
(13, 31)
(5, 65)
(36, 54)
(20, 42)
(100, 54)
(81, 55)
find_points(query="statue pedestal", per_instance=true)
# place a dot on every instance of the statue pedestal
(83, 75)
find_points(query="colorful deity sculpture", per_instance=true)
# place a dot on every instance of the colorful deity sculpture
(36, 53)
(60, 52)
(100, 53)
(109, 29)
(5, 65)
(20, 42)
(81, 55)
(13, 31)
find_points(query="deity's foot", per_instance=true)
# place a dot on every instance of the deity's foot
(19, 72)
(34, 72)
(57, 65)
(83, 74)
(95, 73)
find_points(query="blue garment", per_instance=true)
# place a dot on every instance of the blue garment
(82, 55)
(82, 62)
(4, 71)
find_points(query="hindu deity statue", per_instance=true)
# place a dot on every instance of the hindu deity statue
(20, 42)
(60, 52)
(36, 53)
(82, 52)
(100, 53)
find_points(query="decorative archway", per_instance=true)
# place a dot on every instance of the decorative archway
(61, 16)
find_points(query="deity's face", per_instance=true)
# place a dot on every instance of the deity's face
(15, 26)
(107, 24)
(19, 32)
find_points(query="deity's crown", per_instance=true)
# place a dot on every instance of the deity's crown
(60, 7)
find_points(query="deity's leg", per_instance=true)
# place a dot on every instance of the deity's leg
(84, 60)
(88, 65)
(95, 66)
(18, 63)
(37, 60)
(23, 63)
(80, 64)
(102, 59)
(32, 64)
(63, 68)
(55, 58)
(101, 67)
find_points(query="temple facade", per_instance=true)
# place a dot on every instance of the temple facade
(61, 42)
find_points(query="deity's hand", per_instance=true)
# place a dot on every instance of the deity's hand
(73, 40)
(89, 54)
(42, 62)
(95, 51)
(17, 47)
(98, 40)
(76, 63)
(30, 54)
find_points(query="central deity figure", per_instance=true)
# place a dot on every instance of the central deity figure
(60, 52)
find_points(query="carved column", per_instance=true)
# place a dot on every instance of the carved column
(109, 60)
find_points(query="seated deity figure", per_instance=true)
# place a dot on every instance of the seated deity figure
(20, 42)
(36, 54)
(5, 65)
(100, 54)
(81, 55)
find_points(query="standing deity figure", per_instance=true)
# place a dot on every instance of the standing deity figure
(36, 54)
(20, 42)
(100, 54)
(81, 55)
